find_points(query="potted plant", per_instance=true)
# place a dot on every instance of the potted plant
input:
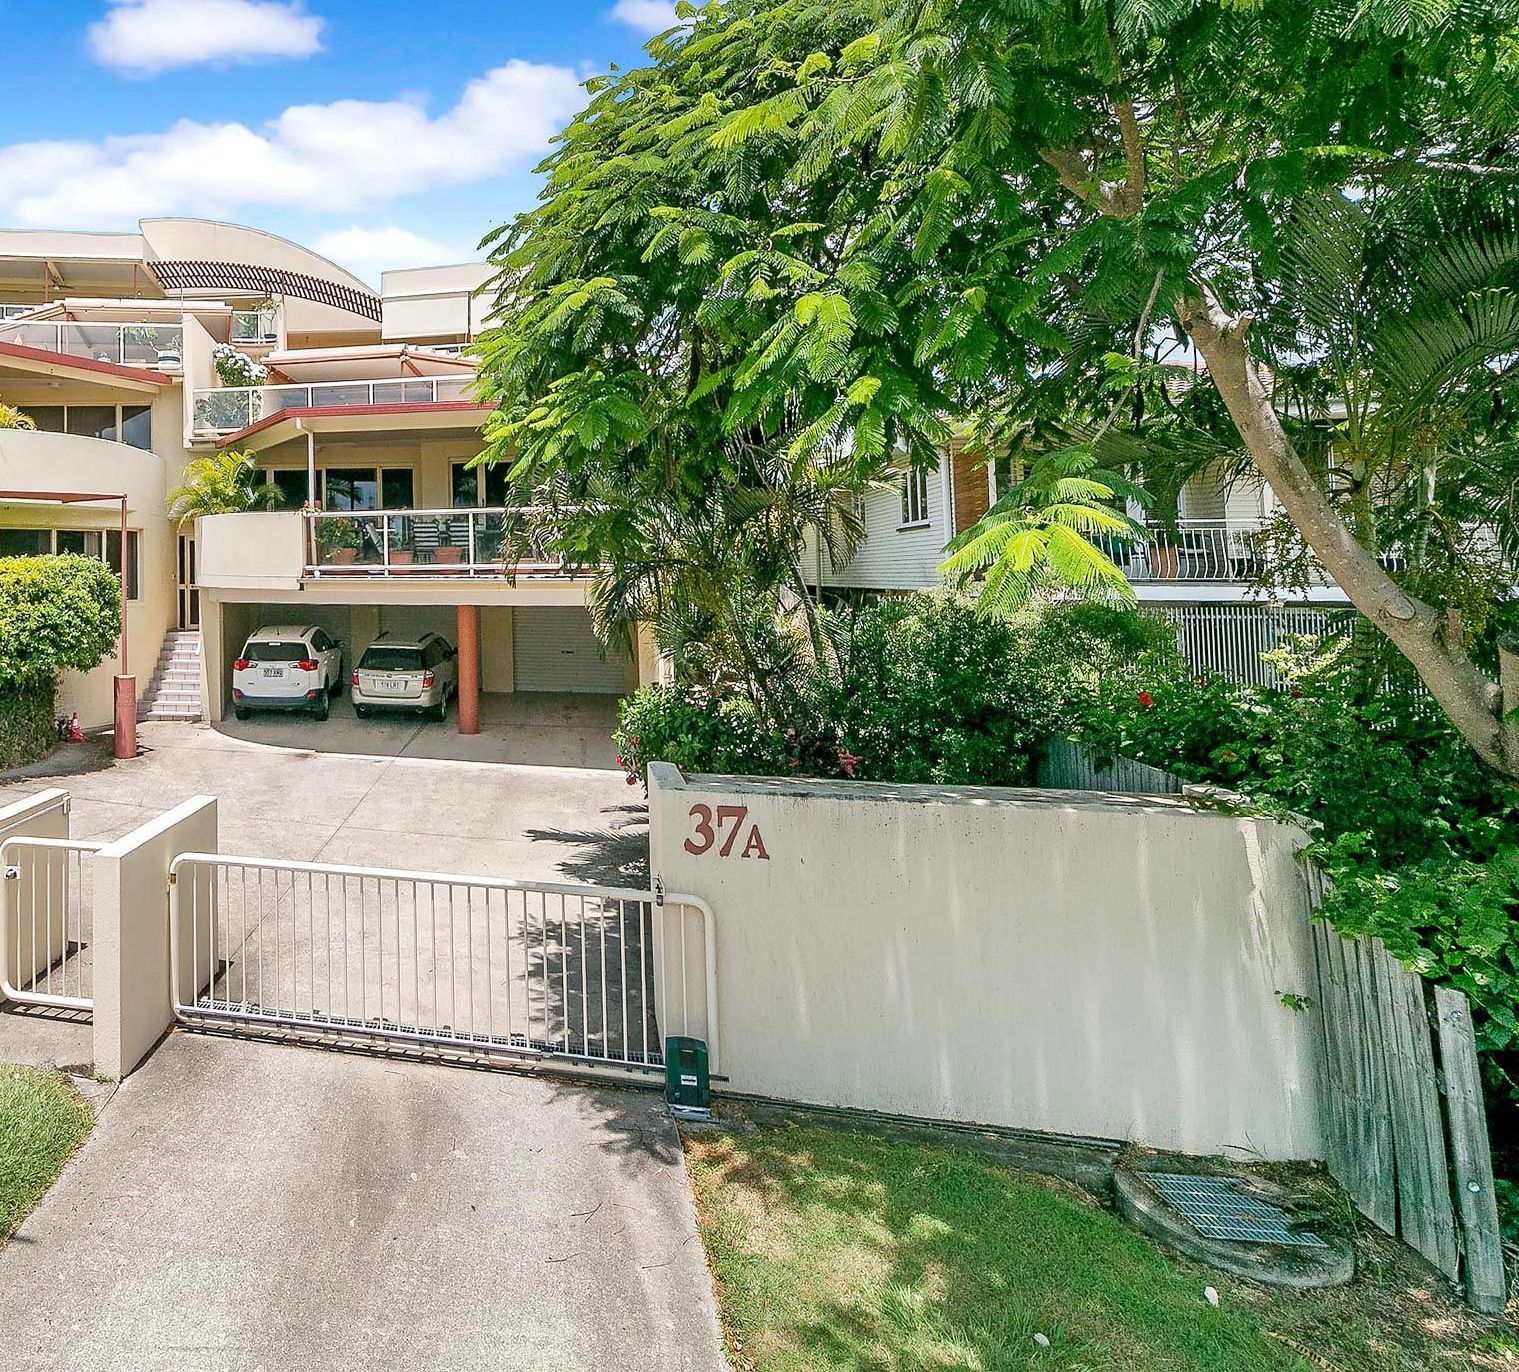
(446, 550)
(338, 541)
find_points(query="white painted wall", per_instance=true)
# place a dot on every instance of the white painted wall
(893, 558)
(1082, 964)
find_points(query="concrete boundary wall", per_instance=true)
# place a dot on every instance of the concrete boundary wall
(1078, 963)
(134, 1003)
(45, 815)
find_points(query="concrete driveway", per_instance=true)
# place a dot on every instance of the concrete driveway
(537, 729)
(478, 818)
(244, 1206)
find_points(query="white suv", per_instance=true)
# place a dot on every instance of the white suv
(406, 674)
(287, 667)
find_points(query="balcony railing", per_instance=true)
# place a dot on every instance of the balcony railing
(255, 326)
(472, 542)
(229, 408)
(1199, 550)
(127, 345)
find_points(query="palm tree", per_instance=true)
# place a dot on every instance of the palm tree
(1042, 538)
(221, 483)
(13, 419)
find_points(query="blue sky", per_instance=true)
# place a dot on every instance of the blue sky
(382, 133)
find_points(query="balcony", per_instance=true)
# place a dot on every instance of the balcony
(228, 409)
(255, 326)
(420, 544)
(1222, 550)
(159, 346)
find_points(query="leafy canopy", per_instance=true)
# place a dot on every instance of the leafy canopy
(219, 483)
(56, 613)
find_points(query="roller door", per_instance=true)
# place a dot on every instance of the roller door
(556, 650)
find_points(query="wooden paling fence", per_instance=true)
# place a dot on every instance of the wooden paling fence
(1406, 1129)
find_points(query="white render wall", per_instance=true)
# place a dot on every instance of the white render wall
(1107, 966)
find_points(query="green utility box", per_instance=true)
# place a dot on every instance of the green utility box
(688, 1087)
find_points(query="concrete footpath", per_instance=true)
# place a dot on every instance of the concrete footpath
(245, 1206)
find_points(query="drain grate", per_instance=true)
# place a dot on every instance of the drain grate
(1219, 1210)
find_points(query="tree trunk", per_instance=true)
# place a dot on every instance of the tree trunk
(1474, 704)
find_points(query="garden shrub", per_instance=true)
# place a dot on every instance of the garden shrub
(56, 613)
(928, 690)
(27, 728)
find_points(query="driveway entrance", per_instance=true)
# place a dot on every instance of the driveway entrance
(245, 1205)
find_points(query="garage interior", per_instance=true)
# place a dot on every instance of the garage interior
(547, 692)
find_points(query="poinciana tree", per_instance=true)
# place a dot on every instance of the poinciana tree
(857, 225)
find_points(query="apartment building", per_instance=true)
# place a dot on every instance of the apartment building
(362, 423)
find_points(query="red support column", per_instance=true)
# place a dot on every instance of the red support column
(469, 669)
(125, 715)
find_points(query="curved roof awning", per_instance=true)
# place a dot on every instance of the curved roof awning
(366, 362)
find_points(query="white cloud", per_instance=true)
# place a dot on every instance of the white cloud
(647, 16)
(332, 158)
(147, 36)
(368, 252)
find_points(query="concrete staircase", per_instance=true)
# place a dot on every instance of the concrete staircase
(174, 692)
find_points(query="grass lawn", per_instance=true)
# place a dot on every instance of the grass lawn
(837, 1249)
(42, 1121)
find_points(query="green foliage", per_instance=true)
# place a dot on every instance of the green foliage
(12, 418)
(27, 731)
(219, 483)
(56, 613)
(926, 689)
(830, 232)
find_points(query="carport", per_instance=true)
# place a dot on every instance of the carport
(534, 684)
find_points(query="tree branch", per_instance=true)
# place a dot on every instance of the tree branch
(1474, 704)
(1115, 199)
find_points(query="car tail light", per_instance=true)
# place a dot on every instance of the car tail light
(307, 664)
(354, 679)
(241, 665)
(427, 680)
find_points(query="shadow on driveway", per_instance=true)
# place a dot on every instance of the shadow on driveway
(247, 1205)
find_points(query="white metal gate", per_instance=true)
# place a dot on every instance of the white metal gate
(45, 946)
(581, 974)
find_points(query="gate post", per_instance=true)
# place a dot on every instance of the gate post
(134, 997)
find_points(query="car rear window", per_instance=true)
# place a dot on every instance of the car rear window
(263, 651)
(392, 660)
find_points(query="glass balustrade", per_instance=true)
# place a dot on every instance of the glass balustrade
(226, 409)
(125, 345)
(489, 541)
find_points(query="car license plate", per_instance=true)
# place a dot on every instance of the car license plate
(274, 671)
(394, 687)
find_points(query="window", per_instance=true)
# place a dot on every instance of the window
(25, 542)
(368, 488)
(113, 558)
(379, 659)
(137, 426)
(481, 485)
(396, 489)
(321, 642)
(85, 542)
(266, 650)
(47, 418)
(90, 421)
(130, 424)
(914, 499)
(104, 544)
(291, 489)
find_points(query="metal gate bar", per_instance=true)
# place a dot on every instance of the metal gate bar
(45, 943)
(525, 969)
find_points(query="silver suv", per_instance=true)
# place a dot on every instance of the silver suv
(406, 674)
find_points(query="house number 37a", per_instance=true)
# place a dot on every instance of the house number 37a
(727, 824)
